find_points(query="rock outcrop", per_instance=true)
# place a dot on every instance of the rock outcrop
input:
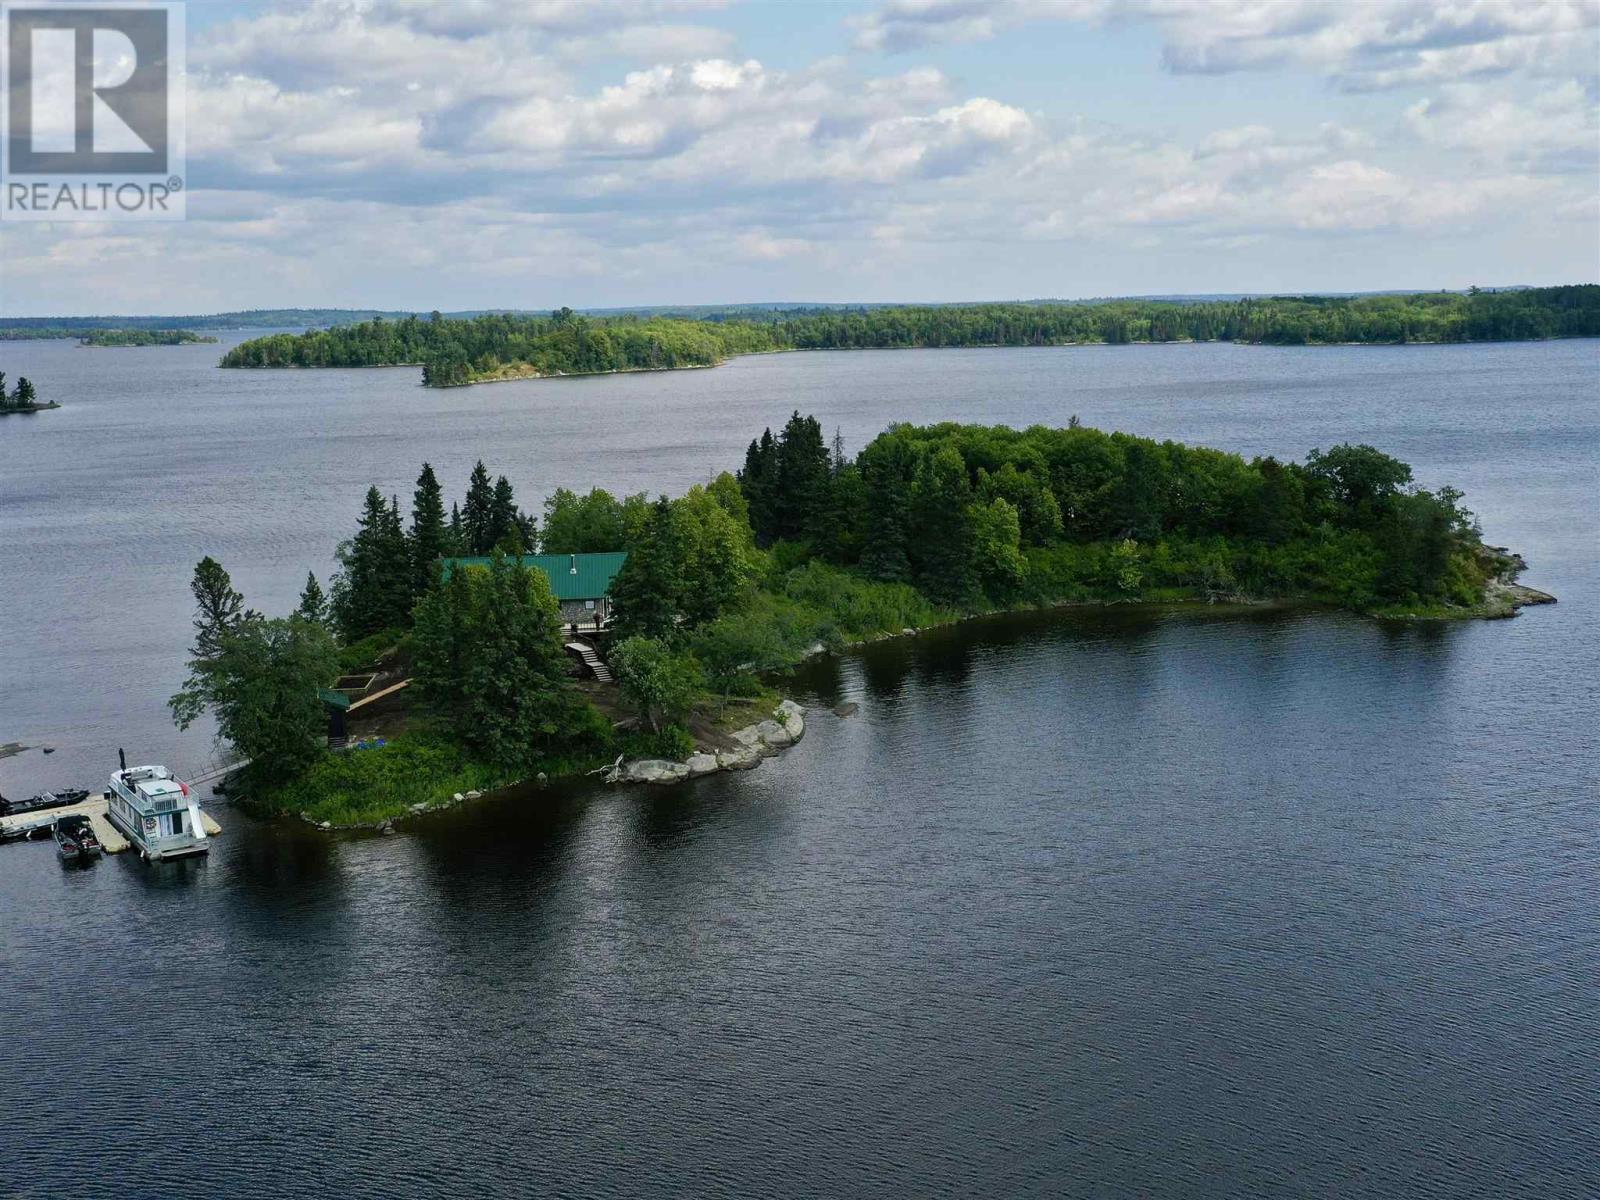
(650, 770)
(785, 727)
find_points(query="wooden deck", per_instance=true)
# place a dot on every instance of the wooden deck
(95, 809)
(378, 695)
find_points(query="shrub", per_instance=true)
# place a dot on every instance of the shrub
(374, 649)
(672, 743)
(361, 786)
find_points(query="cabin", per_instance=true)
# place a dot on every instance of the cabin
(581, 583)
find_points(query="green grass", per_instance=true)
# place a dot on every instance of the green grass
(363, 787)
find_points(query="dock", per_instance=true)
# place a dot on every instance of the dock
(111, 840)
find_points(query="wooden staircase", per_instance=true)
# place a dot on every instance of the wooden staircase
(591, 660)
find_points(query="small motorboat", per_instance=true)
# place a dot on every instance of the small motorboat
(45, 800)
(75, 839)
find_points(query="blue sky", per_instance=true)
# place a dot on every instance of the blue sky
(531, 153)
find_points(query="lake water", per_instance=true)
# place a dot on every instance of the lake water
(1110, 903)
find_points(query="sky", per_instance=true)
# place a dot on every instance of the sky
(532, 153)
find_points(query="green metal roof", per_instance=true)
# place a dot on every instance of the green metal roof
(572, 576)
(336, 699)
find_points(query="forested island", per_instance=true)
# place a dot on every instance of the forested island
(456, 351)
(143, 337)
(804, 547)
(24, 398)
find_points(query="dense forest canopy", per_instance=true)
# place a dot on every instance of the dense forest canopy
(805, 545)
(143, 337)
(455, 351)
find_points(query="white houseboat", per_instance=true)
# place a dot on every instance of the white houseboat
(157, 812)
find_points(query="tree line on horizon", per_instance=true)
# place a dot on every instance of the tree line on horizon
(457, 351)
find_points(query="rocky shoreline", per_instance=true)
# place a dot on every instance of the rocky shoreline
(784, 728)
(1503, 597)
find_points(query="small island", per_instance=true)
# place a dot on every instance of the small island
(120, 338)
(23, 398)
(447, 659)
(454, 352)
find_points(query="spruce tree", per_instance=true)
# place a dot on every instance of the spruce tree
(24, 395)
(804, 469)
(429, 538)
(888, 465)
(397, 567)
(373, 589)
(457, 536)
(759, 482)
(944, 542)
(646, 593)
(509, 530)
(313, 604)
(478, 513)
(489, 659)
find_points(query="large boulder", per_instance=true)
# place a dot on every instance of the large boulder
(741, 759)
(749, 737)
(701, 764)
(653, 770)
(792, 717)
(774, 735)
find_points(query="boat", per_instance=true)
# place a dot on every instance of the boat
(42, 801)
(75, 838)
(157, 812)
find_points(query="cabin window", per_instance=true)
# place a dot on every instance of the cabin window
(589, 604)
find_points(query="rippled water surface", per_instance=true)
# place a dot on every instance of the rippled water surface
(1127, 903)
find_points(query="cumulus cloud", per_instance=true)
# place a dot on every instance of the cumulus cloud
(1366, 45)
(1557, 130)
(348, 151)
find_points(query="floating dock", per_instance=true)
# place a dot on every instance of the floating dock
(95, 809)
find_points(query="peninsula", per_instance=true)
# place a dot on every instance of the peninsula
(646, 629)
(456, 351)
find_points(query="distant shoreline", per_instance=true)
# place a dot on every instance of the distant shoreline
(522, 376)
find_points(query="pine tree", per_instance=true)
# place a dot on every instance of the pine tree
(24, 396)
(429, 538)
(478, 513)
(313, 604)
(218, 608)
